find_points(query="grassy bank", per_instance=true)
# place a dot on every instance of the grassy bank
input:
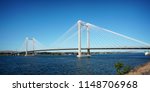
(141, 70)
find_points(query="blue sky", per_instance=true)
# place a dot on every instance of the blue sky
(46, 20)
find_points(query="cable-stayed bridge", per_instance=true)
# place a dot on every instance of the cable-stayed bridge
(85, 36)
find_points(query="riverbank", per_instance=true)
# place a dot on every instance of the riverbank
(141, 70)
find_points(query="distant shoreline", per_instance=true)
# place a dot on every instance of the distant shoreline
(60, 53)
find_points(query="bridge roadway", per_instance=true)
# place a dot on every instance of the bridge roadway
(122, 48)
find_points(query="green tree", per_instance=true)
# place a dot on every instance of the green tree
(121, 68)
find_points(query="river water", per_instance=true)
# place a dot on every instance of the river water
(68, 65)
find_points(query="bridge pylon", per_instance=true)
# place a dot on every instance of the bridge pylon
(88, 39)
(27, 43)
(80, 24)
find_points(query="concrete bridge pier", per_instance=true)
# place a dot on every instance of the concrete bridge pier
(88, 52)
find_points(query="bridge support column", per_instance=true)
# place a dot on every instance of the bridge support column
(79, 38)
(80, 23)
(26, 53)
(33, 45)
(88, 39)
(88, 52)
(33, 42)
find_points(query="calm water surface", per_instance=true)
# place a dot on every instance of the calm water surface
(64, 65)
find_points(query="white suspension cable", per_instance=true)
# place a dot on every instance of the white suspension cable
(120, 35)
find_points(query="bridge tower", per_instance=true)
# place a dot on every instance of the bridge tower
(88, 39)
(27, 43)
(79, 38)
(80, 24)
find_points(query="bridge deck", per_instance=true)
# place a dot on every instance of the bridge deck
(124, 48)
